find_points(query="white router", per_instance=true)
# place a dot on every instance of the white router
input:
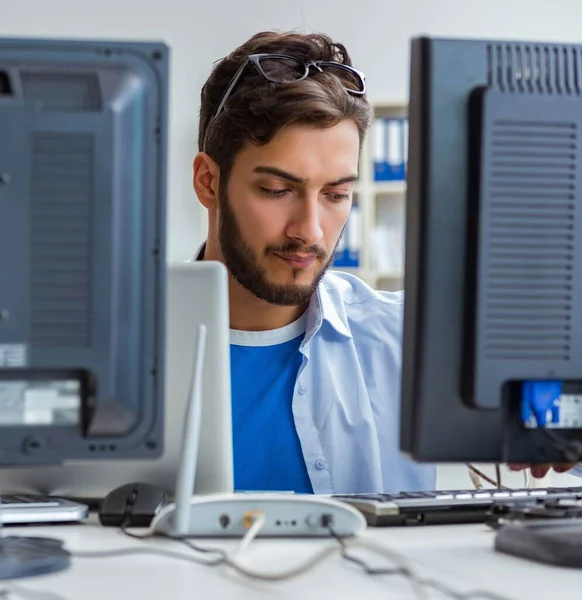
(231, 515)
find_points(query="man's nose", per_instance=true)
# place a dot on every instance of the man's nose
(306, 225)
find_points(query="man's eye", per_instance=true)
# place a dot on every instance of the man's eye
(339, 197)
(274, 193)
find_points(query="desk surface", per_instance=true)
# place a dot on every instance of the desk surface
(460, 556)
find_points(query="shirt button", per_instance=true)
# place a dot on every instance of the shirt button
(320, 464)
(301, 390)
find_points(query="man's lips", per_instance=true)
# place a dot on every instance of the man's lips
(298, 260)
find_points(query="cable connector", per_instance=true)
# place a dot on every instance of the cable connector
(326, 520)
(540, 403)
(251, 516)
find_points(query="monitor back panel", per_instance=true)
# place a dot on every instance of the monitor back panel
(82, 259)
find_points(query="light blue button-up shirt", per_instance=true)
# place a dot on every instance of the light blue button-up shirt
(346, 402)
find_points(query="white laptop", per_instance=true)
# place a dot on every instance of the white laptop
(197, 293)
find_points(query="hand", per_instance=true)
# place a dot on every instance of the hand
(540, 470)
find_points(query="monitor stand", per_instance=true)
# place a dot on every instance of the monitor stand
(24, 556)
(29, 556)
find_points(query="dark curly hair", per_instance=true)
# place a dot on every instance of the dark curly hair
(257, 110)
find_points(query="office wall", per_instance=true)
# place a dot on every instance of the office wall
(375, 31)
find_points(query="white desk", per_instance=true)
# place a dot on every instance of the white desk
(460, 556)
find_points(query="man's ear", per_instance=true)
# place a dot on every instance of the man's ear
(206, 175)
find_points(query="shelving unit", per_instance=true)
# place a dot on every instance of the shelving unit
(381, 205)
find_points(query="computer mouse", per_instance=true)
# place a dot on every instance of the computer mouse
(132, 505)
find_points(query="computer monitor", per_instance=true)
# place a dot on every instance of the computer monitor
(196, 294)
(82, 249)
(493, 282)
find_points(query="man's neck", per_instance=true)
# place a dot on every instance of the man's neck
(249, 313)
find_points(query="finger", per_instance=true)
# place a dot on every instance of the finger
(539, 471)
(517, 466)
(564, 467)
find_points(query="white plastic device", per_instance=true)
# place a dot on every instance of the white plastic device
(231, 515)
(286, 515)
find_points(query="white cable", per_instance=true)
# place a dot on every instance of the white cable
(475, 480)
(259, 521)
(300, 569)
(418, 583)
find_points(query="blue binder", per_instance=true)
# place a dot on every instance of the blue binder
(390, 148)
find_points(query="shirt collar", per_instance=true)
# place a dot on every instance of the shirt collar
(321, 308)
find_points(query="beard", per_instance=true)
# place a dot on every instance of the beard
(244, 265)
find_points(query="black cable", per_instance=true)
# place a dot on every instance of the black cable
(431, 583)
(222, 554)
(363, 564)
(498, 476)
(222, 559)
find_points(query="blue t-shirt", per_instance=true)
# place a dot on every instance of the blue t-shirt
(267, 451)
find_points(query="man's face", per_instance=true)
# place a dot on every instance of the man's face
(284, 209)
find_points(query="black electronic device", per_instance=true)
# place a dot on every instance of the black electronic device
(448, 507)
(83, 149)
(493, 274)
(132, 505)
(82, 249)
(554, 542)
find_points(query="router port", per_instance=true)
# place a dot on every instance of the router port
(224, 521)
(250, 517)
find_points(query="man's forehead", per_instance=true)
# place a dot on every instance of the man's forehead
(306, 153)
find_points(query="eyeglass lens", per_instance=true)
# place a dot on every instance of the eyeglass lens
(286, 70)
(282, 70)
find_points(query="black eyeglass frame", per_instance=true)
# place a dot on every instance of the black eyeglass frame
(255, 60)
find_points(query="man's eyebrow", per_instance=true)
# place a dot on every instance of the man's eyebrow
(348, 179)
(295, 179)
(279, 173)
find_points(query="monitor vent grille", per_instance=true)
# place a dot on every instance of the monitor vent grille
(61, 92)
(535, 68)
(61, 239)
(531, 240)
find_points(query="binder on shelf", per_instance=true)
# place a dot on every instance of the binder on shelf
(390, 148)
(355, 235)
(378, 138)
(405, 145)
(347, 253)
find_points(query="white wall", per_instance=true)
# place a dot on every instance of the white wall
(376, 32)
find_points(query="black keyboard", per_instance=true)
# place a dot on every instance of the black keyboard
(447, 507)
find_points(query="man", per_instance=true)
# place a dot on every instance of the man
(315, 354)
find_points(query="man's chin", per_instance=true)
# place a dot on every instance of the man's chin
(289, 294)
(295, 280)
